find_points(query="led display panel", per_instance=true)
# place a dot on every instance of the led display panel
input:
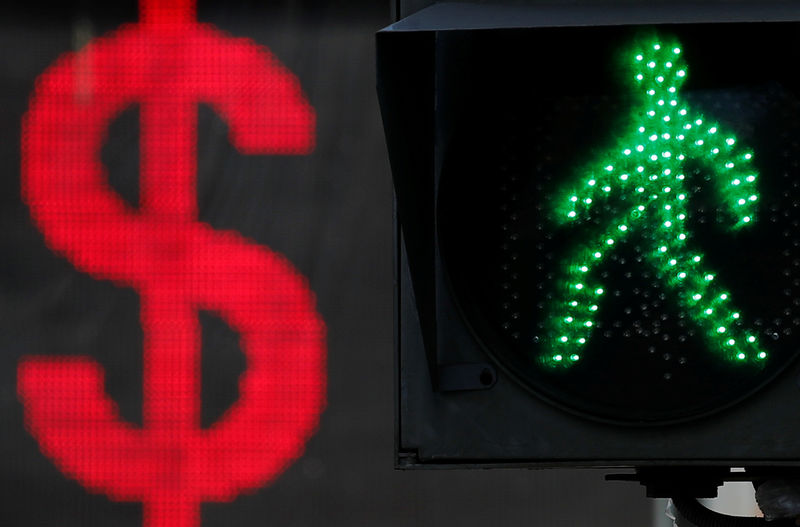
(145, 237)
(619, 215)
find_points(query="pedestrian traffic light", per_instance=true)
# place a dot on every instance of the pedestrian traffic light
(598, 237)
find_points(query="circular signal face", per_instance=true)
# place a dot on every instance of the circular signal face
(629, 249)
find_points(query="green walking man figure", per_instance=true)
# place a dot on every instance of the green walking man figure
(646, 167)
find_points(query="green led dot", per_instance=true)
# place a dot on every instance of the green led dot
(640, 208)
(721, 329)
(750, 179)
(667, 118)
(609, 168)
(681, 197)
(651, 113)
(666, 189)
(696, 258)
(588, 323)
(667, 223)
(741, 201)
(639, 77)
(639, 148)
(666, 135)
(656, 46)
(578, 286)
(639, 57)
(661, 101)
(623, 228)
(591, 182)
(627, 151)
(681, 275)
(729, 165)
(741, 356)
(709, 277)
(712, 130)
(753, 197)
(651, 64)
(681, 216)
(676, 50)
(673, 262)
(574, 357)
(736, 182)
(624, 177)
(588, 201)
(583, 268)
(597, 254)
(593, 307)
(573, 303)
(610, 241)
(698, 122)
(748, 156)
(751, 339)
(598, 291)
(681, 236)
(746, 219)
(564, 338)
(558, 358)
(663, 248)
(723, 296)
(735, 315)
(709, 311)
(682, 112)
(699, 142)
(762, 355)
(572, 214)
(731, 342)
(660, 78)
(581, 340)
(697, 296)
(715, 150)
(573, 198)
(606, 189)
(569, 320)
(730, 141)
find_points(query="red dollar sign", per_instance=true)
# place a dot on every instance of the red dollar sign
(168, 63)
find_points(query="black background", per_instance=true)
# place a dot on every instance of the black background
(330, 214)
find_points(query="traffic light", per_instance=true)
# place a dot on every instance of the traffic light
(598, 234)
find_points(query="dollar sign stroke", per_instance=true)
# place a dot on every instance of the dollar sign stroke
(168, 63)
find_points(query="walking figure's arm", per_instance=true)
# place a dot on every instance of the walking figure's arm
(580, 198)
(732, 164)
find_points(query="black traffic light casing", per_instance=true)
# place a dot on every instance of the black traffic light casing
(468, 95)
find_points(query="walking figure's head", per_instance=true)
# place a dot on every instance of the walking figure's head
(658, 68)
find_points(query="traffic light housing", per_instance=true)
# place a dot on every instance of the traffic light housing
(582, 280)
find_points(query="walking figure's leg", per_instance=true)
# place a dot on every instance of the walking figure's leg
(707, 303)
(576, 308)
